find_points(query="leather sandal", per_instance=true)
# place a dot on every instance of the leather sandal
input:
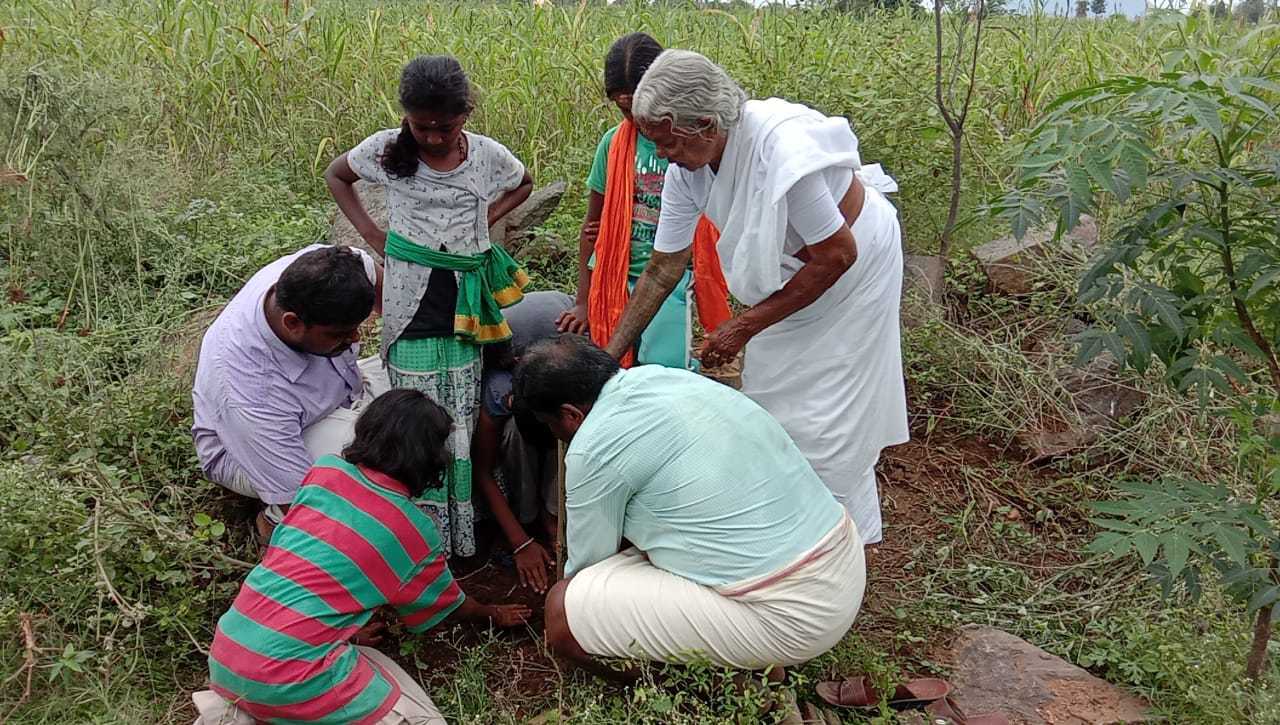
(860, 692)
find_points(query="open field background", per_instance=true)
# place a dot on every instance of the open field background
(153, 155)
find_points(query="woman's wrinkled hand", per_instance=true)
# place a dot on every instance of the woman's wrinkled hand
(722, 346)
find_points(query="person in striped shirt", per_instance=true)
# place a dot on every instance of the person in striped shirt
(353, 541)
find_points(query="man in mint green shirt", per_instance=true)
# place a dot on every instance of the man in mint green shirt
(737, 551)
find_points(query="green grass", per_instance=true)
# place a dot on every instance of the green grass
(173, 148)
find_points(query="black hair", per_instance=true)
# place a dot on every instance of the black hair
(435, 83)
(402, 434)
(627, 60)
(533, 431)
(567, 369)
(499, 356)
(326, 287)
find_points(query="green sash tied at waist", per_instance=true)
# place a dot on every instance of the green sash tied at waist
(487, 282)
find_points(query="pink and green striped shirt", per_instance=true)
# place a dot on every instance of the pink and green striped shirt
(351, 542)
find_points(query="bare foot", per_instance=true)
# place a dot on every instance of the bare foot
(264, 528)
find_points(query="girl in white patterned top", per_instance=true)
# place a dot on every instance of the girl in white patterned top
(445, 188)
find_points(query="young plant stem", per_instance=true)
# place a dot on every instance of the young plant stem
(1262, 629)
(955, 118)
(1261, 636)
(1242, 311)
(1262, 622)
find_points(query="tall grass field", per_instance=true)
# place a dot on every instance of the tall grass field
(153, 155)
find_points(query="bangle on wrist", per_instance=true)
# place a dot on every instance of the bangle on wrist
(522, 547)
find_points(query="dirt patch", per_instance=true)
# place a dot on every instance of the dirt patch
(518, 672)
(926, 485)
(950, 500)
(932, 486)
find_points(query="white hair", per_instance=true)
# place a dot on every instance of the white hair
(690, 91)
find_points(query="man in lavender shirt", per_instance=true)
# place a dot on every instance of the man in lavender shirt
(278, 383)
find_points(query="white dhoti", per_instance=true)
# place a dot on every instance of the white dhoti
(626, 607)
(831, 373)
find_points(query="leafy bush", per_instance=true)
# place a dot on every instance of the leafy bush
(1189, 281)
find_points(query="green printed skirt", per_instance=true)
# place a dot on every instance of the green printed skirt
(447, 370)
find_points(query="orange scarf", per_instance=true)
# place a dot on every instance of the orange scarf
(608, 295)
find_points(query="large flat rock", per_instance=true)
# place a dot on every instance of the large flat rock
(514, 228)
(374, 198)
(994, 670)
(183, 345)
(1009, 262)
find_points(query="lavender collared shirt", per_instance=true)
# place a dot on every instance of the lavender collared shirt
(254, 395)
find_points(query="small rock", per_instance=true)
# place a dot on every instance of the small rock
(1009, 262)
(1100, 398)
(996, 671)
(183, 344)
(1097, 391)
(1268, 425)
(1044, 445)
(1074, 327)
(511, 230)
(924, 273)
(374, 198)
(923, 288)
(1085, 232)
(11, 177)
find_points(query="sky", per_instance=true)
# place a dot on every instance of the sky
(1132, 8)
(1058, 7)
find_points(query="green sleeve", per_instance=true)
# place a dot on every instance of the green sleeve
(599, 166)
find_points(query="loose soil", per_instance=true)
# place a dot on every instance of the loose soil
(920, 486)
(927, 485)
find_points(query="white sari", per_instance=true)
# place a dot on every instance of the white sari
(831, 373)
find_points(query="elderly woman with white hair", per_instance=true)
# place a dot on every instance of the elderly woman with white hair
(807, 241)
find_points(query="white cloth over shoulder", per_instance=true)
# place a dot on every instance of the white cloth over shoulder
(776, 144)
(831, 373)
